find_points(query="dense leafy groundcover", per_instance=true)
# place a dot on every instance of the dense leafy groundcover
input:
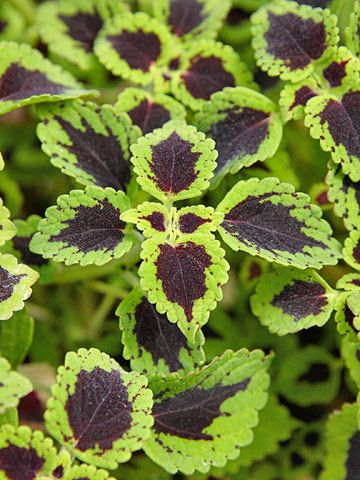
(172, 304)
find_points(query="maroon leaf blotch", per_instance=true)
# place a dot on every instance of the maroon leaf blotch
(7, 283)
(83, 27)
(157, 221)
(335, 73)
(20, 463)
(149, 115)
(185, 15)
(302, 96)
(189, 222)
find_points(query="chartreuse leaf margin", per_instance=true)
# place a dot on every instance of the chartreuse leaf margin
(103, 436)
(7, 228)
(13, 386)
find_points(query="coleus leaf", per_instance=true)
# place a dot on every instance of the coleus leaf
(352, 37)
(196, 219)
(348, 315)
(349, 282)
(89, 142)
(205, 68)
(152, 343)
(16, 337)
(340, 71)
(351, 250)
(16, 281)
(70, 28)
(25, 229)
(183, 278)
(98, 410)
(7, 228)
(289, 40)
(134, 46)
(350, 353)
(203, 419)
(192, 18)
(267, 218)
(27, 77)
(174, 162)
(245, 125)
(12, 22)
(288, 300)
(25, 454)
(294, 97)
(13, 387)
(150, 217)
(84, 228)
(85, 472)
(336, 122)
(148, 111)
(345, 196)
(342, 443)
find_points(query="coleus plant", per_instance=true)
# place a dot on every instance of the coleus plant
(188, 122)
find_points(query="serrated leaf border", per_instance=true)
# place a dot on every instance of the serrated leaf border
(13, 386)
(7, 228)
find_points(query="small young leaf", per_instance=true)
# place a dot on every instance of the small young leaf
(148, 111)
(70, 28)
(25, 229)
(345, 195)
(25, 454)
(16, 337)
(351, 250)
(245, 125)
(174, 162)
(88, 142)
(352, 37)
(152, 343)
(204, 419)
(294, 97)
(288, 300)
(27, 77)
(134, 46)
(7, 228)
(98, 410)
(340, 71)
(13, 386)
(183, 278)
(336, 122)
(196, 219)
(192, 18)
(267, 218)
(150, 217)
(349, 282)
(205, 68)
(342, 443)
(84, 228)
(289, 40)
(16, 281)
(348, 315)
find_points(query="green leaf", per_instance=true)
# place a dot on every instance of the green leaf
(352, 38)
(267, 218)
(288, 300)
(9, 417)
(27, 77)
(11, 21)
(294, 97)
(174, 162)
(16, 337)
(351, 281)
(86, 472)
(148, 111)
(341, 445)
(70, 28)
(245, 125)
(153, 344)
(115, 409)
(84, 228)
(334, 121)
(205, 418)
(350, 353)
(196, 219)
(345, 195)
(13, 386)
(340, 72)
(351, 250)
(290, 40)
(183, 278)
(205, 68)
(135, 46)
(151, 218)
(192, 20)
(7, 228)
(15, 285)
(88, 142)
(23, 450)
(347, 315)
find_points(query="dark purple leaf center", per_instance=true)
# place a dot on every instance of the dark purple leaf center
(302, 95)
(83, 27)
(189, 222)
(7, 283)
(20, 463)
(157, 221)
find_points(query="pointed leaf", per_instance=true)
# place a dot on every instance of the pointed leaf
(84, 228)
(183, 278)
(245, 125)
(134, 46)
(189, 19)
(98, 410)
(27, 77)
(289, 40)
(174, 162)
(267, 218)
(205, 418)
(205, 68)
(70, 28)
(13, 386)
(352, 37)
(150, 217)
(148, 111)
(25, 454)
(89, 142)
(294, 97)
(351, 250)
(152, 343)
(16, 337)
(288, 300)
(16, 281)
(7, 228)
(336, 122)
